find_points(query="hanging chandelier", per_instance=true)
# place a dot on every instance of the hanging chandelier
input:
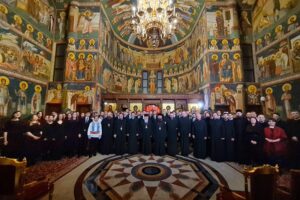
(154, 21)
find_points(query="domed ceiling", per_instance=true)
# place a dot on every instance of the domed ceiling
(185, 14)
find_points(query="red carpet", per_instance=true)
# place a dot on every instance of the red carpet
(52, 170)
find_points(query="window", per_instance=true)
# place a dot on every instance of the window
(145, 82)
(159, 78)
(247, 60)
(59, 64)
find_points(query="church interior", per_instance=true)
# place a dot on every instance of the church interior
(150, 99)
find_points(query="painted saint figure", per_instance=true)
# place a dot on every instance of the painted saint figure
(4, 95)
(22, 97)
(286, 98)
(36, 99)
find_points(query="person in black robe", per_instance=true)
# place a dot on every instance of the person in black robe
(254, 139)
(159, 136)
(185, 125)
(199, 134)
(13, 137)
(73, 131)
(61, 135)
(106, 142)
(132, 129)
(49, 138)
(120, 135)
(240, 124)
(217, 139)
(229, 132)
(33, 140)
(172, 131)
(279, 122)
(146, 132)
(84, 123)
(208, 141)
(293, 133)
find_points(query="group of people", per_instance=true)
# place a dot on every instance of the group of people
(246, 139)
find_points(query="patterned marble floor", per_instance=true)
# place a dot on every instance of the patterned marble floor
(151, 177)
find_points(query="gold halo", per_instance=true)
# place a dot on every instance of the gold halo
(59, 86)
(62, 14)
(6, 80)
(30, 28)
(213, 42)
(236, 41)
(217, 89)
(23, 83)
(4, 7)
(38, 88)
(71, 40)
(88, 13)
(252, 89)
(18, 18)
(278, 28)
(81, 54)
(215, 57)
(287, 87)
(92, 42)
(218, 12)
(258, 41)
(236, 56)
(82, 42)
(90, 56)
(40, 34)
(223, 55)
(227, 92)
(224, 42)
(267, 35)
(71, 55)
(292, 19)
(269, 90)
(87, 88)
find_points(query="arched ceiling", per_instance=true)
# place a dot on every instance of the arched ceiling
(119, 13)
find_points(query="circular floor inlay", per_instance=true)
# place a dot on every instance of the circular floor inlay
(151, 172)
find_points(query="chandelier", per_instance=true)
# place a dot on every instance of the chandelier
(154, 21)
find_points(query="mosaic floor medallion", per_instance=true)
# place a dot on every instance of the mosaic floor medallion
(151, 177)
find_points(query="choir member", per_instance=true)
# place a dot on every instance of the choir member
(61, 135)
(73, 132)
(172, 131)
(49, 139)
(120, 135)
(13, 136)
(293, 132)
(185, 126)
(208, 141)
(132, 130)
(240, 123)
(106, 143)
(146, 131)
(279, 122)
(32, 140)
(85, 121)
(159, 136)
(94, 134)
(217, 138)
(41, 119)
(199, 132)
(275, 146)
(229, 132)
(254, 140)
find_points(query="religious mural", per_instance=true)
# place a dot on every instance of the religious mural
(231, 95)
(253, 94)
(120, 12)
(55, 93)
(76, 93)
(268, 12)
(282, 98)
(16, 94)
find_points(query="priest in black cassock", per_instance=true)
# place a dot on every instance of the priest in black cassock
(49, 138)
(84, 123)
(172, 131)
(228, 127)
(217, 139)
(146, 129)
(159, 136)
(293, 132)
(199, 134)
(185, 125)
(132, 130)
(240, 124)
(120, 131)
(106, 142)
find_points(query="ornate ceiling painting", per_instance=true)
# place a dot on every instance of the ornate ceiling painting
(184, 15)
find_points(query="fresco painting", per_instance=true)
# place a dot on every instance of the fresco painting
(16, 94)
(282, 98)
(55, 93)
(253, 94)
